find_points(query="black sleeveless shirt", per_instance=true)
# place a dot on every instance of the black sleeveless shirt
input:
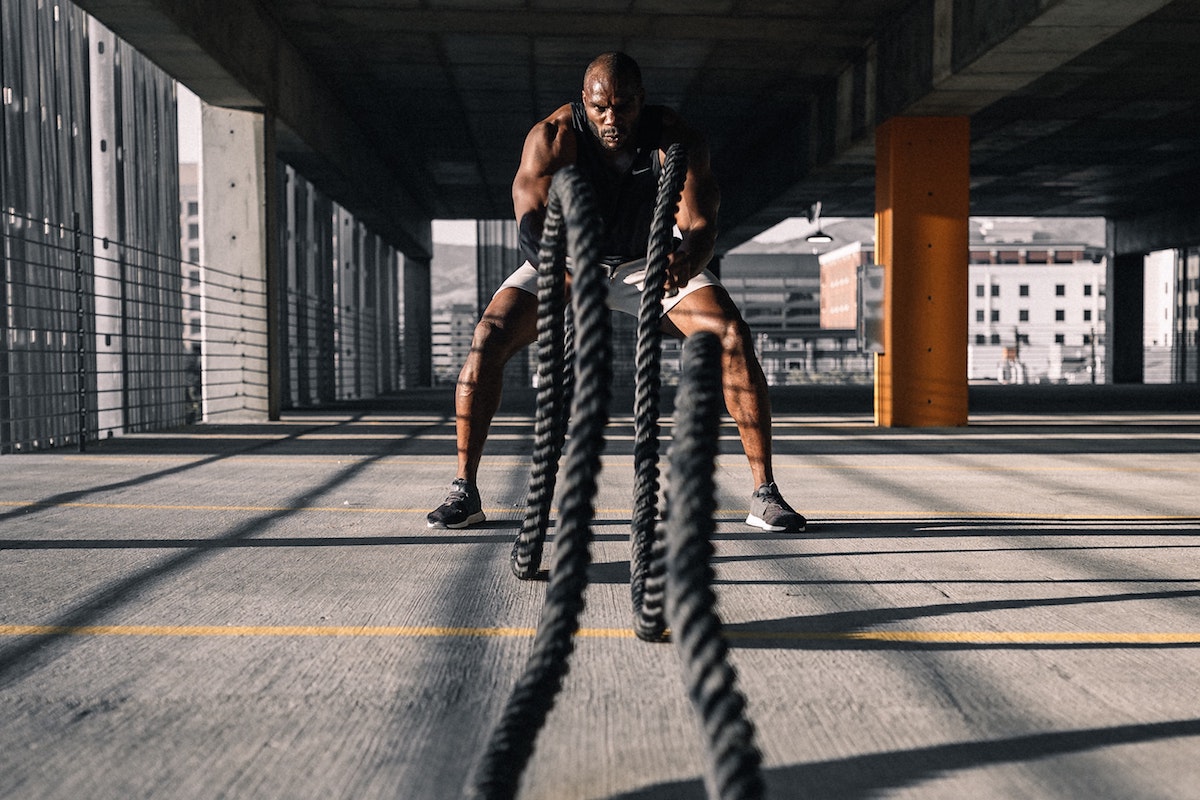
(625, 201)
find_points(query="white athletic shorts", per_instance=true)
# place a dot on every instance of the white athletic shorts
(624, 287)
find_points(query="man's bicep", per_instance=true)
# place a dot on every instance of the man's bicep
(700, 200)
(530, 193)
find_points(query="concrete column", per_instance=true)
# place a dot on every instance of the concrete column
(106, 228)
(418, 323)
(236, 238)
(922, 205)
(1125, 317)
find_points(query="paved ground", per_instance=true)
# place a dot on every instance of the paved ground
(1007, 610)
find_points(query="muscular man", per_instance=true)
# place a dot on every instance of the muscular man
(619, 143)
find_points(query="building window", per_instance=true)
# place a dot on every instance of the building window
(1087, 315)
(1060, 315)
(1087, 339)
(995, 338)
(980, 339)
(995, 290)
(979, 315)
(1060, 338)
(1023, 315)
(1060, 290)
(193, 230)
(1023, 290)
(995, 315)
(193, 208)
(979, 290)
(1087, 290)
(194, 255)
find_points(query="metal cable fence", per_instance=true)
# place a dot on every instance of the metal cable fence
(92, 337)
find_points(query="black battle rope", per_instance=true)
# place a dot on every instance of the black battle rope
(646, 565)
(550, 424)
(512, 739)
(734, 760)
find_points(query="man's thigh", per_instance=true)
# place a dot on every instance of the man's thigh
(709, 308)
(511, 316)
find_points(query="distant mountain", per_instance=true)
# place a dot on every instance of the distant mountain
(453, 275)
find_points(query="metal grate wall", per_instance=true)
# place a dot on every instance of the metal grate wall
(340, 301)
(90, 324)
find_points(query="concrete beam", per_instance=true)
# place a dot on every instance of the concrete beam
(935, 60)
(973, 71)
(1177, 227)
(231, 54)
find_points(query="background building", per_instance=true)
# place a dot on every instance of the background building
(452, 330)
(1037, 300)
(191, 244)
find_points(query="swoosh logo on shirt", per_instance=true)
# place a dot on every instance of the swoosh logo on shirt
(640, 171)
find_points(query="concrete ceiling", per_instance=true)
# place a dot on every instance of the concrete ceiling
(1077, 107)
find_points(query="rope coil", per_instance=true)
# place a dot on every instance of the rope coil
(549, 429)
(647, 551)
(695, 626)
(676, 568)
(512, 739)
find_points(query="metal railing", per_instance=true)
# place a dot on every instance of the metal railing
(91, 337)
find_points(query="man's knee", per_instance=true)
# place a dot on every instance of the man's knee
(736, 338)
(503, 330)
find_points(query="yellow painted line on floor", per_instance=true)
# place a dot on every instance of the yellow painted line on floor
(977, 637)
(1116, 638)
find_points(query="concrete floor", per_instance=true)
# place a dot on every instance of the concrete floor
(1006, 610)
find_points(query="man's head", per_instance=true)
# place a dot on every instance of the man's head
(613, 99)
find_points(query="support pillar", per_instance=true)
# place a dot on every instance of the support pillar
(234, 301)
(107, 230)
(418, 328)
(1124, 312)
(922, 206)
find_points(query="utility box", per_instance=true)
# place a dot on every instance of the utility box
(870, 308)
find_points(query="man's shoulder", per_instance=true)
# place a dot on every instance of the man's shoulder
(551, 142)
(558, 118)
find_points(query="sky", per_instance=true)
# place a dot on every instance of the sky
(189, 125)
(454, 231)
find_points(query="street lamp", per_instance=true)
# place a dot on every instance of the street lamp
(818, 236)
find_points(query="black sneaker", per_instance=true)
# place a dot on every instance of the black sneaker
(769, 511)
(462, 507)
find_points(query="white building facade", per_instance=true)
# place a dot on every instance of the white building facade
(1037, 322)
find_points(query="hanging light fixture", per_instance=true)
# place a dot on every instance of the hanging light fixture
(818, 236)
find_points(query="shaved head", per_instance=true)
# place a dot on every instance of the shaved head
(615, 68)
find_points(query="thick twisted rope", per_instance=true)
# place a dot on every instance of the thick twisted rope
(734, 760)
(512, 740)
(550, 423)
(647, 567)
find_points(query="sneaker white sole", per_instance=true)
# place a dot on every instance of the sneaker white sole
(758, 522)
(478, 516)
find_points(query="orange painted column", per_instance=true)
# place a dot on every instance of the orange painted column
(922, 206)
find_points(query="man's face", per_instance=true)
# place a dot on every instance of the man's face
(612, 111)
